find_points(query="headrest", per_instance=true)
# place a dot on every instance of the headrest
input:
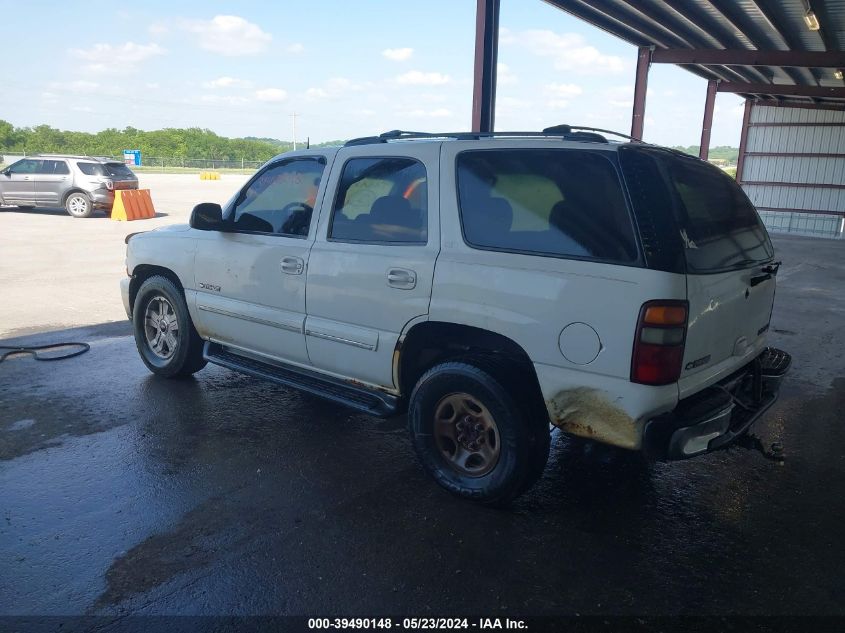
(390, 208)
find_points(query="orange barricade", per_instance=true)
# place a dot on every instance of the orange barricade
(132, 204)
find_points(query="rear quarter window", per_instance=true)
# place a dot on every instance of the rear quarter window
(717, 226)
(91, 169)
(560, 203)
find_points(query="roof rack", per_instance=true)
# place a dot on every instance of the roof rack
(566, 132)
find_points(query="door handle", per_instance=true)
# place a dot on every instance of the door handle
(293, 265)
(401, 278)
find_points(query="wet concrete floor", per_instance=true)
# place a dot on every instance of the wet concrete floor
(123, 493)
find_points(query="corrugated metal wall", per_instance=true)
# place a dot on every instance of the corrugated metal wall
(796, 146)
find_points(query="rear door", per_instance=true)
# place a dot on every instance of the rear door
(726, 248)
(18, 182)
(371, 267)
(52, 181)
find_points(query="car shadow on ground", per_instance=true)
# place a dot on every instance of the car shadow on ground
(61, 211)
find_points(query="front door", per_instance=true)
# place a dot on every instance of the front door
(371, 267)
(250, 280)
(17, 183)
(51, 183)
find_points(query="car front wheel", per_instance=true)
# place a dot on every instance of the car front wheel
(473, 436)
(79, 205)
(164, 334)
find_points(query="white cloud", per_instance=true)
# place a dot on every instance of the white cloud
(504, 76)
(561, 94)
(398, 54)
(158, 28)
(225, 82)
(152, 85)
(332, 89)
(271, 94)
(105, 58)
(419, 78)
(563, 91)
(75, 86)
(229, 35)
(569, 51)
(225, 99)
(295, 48)
(437, 113)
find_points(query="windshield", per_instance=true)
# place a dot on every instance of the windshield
(718, 226)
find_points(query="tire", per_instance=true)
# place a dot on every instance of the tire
(79, 205)
(166, 351)
(486, 475)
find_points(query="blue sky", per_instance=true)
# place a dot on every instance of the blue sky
(347, 68)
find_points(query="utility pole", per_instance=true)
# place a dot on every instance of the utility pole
(293, 117)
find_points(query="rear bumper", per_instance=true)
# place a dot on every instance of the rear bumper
(716, 416)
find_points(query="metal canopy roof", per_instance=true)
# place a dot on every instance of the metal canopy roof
(757, 48)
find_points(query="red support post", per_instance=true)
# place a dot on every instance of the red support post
(707, 124)
(486, 57)
(638, 115)
(743, 140)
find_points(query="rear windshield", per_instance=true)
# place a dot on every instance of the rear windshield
(718, 226)
(546, 202)
(119, 170)
(112, 170)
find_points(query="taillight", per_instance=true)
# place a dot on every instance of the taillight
(659, 343)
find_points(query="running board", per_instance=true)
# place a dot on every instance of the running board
(368, 401)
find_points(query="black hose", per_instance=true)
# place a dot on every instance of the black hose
(33, 350)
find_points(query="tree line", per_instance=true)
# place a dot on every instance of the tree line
(169, 142)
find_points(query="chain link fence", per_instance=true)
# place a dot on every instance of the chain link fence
(171, 164)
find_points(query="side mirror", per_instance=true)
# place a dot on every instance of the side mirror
(207, 216)
(6, 172)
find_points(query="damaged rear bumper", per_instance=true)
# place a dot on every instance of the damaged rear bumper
(716, 416)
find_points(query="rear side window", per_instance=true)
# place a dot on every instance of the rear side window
(54, 167)
(718, 226)
(381, 200)
(548, 202)
(91, 169)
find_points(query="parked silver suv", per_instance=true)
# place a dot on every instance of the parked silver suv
(80, 184)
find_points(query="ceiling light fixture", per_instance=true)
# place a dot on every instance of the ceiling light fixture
(811, 20)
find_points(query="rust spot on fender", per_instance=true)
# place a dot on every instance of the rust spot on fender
(587, 413)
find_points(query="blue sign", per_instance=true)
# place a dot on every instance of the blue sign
(132, 157)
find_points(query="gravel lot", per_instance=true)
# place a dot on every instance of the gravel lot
(57, 271)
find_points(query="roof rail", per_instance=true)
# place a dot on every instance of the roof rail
(566, 132)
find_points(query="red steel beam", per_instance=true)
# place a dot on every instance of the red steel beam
(743, 139)
(638, 114)
(486, 57)
(798, 59)
(782, 89)
(707, 124)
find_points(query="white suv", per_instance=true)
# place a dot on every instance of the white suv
(486, 284)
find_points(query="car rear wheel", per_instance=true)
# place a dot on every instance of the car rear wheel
(164, 334)
(473, 436)
(79, 205)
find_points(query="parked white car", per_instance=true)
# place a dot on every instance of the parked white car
(486, 284)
